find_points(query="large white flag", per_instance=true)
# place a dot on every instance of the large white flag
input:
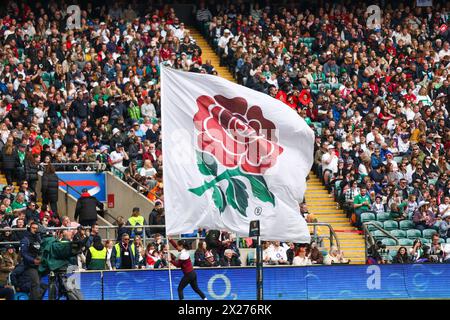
(232, 155)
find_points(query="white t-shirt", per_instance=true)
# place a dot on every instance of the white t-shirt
(333, 165)
(278, 254)
(114, 156)
(150, 172)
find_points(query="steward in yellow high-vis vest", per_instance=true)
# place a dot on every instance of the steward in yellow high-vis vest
(96, 255)
(137, 219)
(124, 254)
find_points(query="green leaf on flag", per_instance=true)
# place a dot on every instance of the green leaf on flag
(206, 164)
(237, 195)
(219, 199)
(260, 189)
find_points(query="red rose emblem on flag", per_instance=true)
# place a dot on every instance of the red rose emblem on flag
(236, 134)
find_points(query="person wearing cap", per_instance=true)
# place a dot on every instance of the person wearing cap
(329, 164)
(135, 221)
(118, 156)
(86, 209)
(230, 259)
(424, 217)
(96, 255)
(223, 45)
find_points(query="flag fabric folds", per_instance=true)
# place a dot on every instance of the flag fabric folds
(232, 155)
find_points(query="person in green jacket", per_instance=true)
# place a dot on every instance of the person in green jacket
(361, 203)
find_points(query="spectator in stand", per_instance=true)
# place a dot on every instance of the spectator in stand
(301, 257)
(335, 256)
(424, 217)
(140, 248)
(290, 252)
(444, 226)
(402, 256)
(230, 259)
(314, 253)
(199, 255)
(278, 254)
(50, 187)
(8, 261)
(157, 217)
(85, 210)
(361, 204)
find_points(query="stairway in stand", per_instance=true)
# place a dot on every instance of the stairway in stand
(4, 183)
(208, 53)
(317, 198)
(322, 205)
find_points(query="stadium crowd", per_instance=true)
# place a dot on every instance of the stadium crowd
(376, 96)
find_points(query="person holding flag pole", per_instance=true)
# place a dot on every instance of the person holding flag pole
(184, 262)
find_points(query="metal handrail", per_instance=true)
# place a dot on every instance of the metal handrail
(146, 188)
(369, 239)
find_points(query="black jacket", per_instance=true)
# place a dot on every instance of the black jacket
(49, 187)
(31, 170)
(86, 208)
(10, 161)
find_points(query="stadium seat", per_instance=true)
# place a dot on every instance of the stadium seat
(398, 233)
(428, 233)
(413, 233)
(390, 225)
(388, 242)
(372, 228)
(383, 216)
(425, 240)
(406, 225)
(436, 225)
(378, 234)
(448, 240)
(251, 258)
(405, 242)
(367, 216)
(392, 253)
(441, 240)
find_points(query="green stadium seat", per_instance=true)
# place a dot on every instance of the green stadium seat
(398, 233)
(406, 225)
(378, 234)
(392, 253)
(383, 216)
(367, 216)
(390, 225)
(251, 258)
(405, 242)
(388, 242)
(413, 233)
(425, 240)
(436, 225)
(448, 240)
(428, 233)
(372, 228)
(441, 240)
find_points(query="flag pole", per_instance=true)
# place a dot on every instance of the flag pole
(256, 231)
(161, 67)
(170, 273)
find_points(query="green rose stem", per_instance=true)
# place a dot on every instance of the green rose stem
(226, 175)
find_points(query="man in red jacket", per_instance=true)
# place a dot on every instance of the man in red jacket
(184, 262)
